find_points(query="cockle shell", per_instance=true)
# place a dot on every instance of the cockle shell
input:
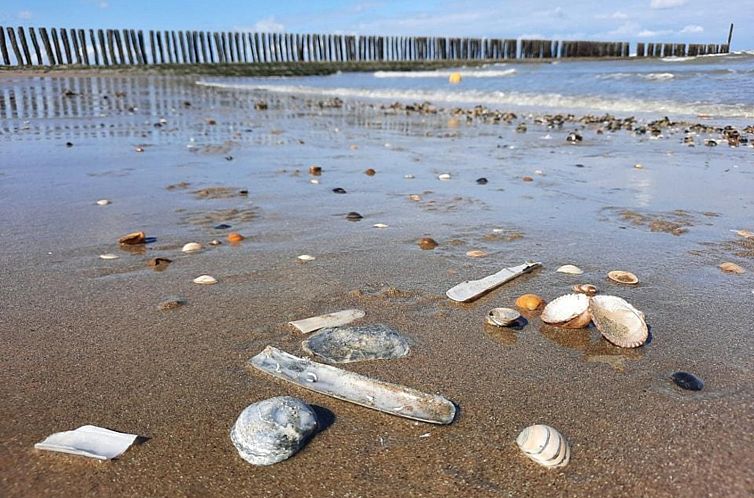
(132, 238)
(729, 267)
(618, 321)
(587, 289)
(570, 311)
(623, 277)
(502, 317)
(235, 237)
(192, 247)
(529, 302)
(545, 446)
(273, 430)
(476, 253)
(205, 280)
(570, 269)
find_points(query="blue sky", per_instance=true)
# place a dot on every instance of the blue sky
(698, 21)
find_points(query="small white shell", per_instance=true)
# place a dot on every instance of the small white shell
(409, 177)
(618, 321)
(108, 256)
(273, 430)
(314, 181)
(544, 445)
(380, 225)
(103, 202)
(444, 176)
(205, 280)
(502, 317)
(192, 247)
(306, 257)
(570, 269)
(569, 311)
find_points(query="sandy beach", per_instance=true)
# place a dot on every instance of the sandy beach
(84, 342)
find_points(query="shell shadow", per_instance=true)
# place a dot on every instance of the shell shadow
(325, 418)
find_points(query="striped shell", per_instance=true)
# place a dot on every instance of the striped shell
(544, 445)
(618, 321)
(570, 311)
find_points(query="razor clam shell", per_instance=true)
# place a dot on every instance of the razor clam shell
(471, 289)
(545, 446)
(569, 311)
(359, 389)
(273, 430)
(618, 321)
(336, 319)
(350, 344)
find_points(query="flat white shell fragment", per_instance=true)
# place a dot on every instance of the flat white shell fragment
(336, 319)
(205, 280)
(192, 247)
(108, 256)
(380, 225)
(444, 176)
(544, 445)
(89, 441)
(348, 386)
(349, 344)
(273, 430)
(570, 269)
(306, 257)
(103, 202)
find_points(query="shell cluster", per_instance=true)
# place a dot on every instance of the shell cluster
(545, 446)
(273, 430)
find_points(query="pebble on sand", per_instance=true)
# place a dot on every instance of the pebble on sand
(687, 381)
(527, 179)
(415, 197)
(427, 243)
(353, 216)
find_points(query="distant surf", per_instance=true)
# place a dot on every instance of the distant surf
(465, 73)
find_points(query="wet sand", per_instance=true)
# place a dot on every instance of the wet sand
(84, 343)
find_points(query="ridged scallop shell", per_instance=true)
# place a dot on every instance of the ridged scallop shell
(192, 247)
(570, 311)
(502, 317)
(544, 445)
(570, 270)
(273, 430)
(618, 321)
(205, 280)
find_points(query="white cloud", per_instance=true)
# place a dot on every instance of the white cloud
(692, 28)
(615, 15)
(647, 33)
(666, 4)
(25, 15)
(268, 24)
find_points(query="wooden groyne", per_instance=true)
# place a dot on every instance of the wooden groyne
(129, 47)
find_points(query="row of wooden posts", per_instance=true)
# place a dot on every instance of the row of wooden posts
(111, 47)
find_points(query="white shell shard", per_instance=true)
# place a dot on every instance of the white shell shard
(570, 269)
(569, 311)
(471, 289)
(192, 247)
(336, 319)
(544, 445)
(350, 344)
(502, 317)
(314, 181)
(205, 280)
(306, 257)
(444, 176)
(89, 441)
(380, 225)
(103, 202)
(359, 389)
(108, 256)
(618, 321)
(409, 177)
(273, 430)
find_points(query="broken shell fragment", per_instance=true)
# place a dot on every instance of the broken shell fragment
(618, 321)
(587, 289)
(350, 344)
(306, 257)
(427, 243)
(570, 269)
(205, 280)
(315, 170)
(132, 239)
(476, 253)
(335, 319)
(729, 267)
(103, 202)
(545, 446)
(444, 176)
(623, 277)
(529, 302)
(108, 256)
(192, 247)
(415, 197)
(235, 237)
(380, 225)
(502, 317)
(215, 242)
(370, 172)
(273, 430)
(570, 311)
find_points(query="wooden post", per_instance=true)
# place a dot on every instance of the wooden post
(102, 47)
(142, 47)
(35, 43)
(14, 46)
(124, 47)
(24, 45)
(92, 40)
(66, 45)
(160, 50)
(56, 46)
(184, 54)
(169, 47)
(153, 46)
(4, 47)
(111, 46)
(82, 43)
(76, 48)
(203, 45)
(730, 36)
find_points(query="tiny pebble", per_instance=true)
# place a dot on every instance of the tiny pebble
(481, 181)
(222, 226)
(687, 381)
(339, 190)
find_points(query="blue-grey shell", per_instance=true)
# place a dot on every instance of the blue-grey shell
(349, 344)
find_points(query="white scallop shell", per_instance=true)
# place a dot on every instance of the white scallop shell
(380, 225)
(569, 311)
(205, 280)
(273, 430)
(444, 176)
(618, 321)
(108, 256)
(544, 445)
(192, 247)
(570, 269)
(306, 257)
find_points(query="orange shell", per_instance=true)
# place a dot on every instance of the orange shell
(235, 237)
(529, 302)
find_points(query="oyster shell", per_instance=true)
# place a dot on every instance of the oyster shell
(545, 446)
(618, 321)
(350, 344)
(623, 277)
(570, 311)
(502, 317)
(273, 430)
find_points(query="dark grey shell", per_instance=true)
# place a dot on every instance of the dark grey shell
(273, 430)
(349, 344)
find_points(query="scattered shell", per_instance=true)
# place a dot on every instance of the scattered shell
(380, 225)
(315, 170)
(539, 172)
(314, 181)
(476, 253)
(350, 344)
(205, 280)
(132, 239)
(335, 319)
(108, 256)
(729, 267)
(427, 243)
(339, 190)
(574, 138)
(409, 177)
(171, 303)
(370, 172)
(235, 237)
(545, 446)
(353, 216)
(688, 381)
(444, 176)
(103, 202)
(415, 197)
(529, 302)
(618, 321)
(139, 149)
(481, 181)
(570, 311)
(502, 317)
(587, 289)
(306, 257)
(192, 247)
(215, 242)
(747, 234)
(527, 178)
(273, 430)
(570, 269)
(623, 277)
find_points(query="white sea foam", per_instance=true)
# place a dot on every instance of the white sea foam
(470, 73)
(644, 76)
(677, 59)
(549, 101)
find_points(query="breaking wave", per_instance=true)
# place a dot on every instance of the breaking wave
(471, 73)
(644, 76)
